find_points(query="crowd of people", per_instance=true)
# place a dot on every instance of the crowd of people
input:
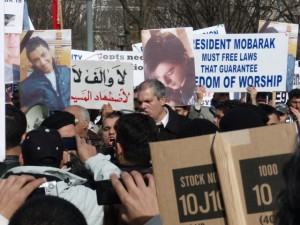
(57, 167)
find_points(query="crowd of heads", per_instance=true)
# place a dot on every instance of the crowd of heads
(126, 137)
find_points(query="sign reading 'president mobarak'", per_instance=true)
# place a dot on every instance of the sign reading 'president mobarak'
(233, 62)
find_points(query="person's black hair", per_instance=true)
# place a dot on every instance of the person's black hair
(134, 132)
(295, 93)
(268, 109)
(197, 127)
(15, 127)
(226, 105)
(33, 43)
(47, 210)
(288, 200)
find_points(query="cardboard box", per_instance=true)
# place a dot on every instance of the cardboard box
(187, 182)
(249, 164)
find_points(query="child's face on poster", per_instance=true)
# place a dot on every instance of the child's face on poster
(172, 75)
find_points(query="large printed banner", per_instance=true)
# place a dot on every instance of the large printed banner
(13, 16)
(135, 58)
(232, 62)
(94, 83)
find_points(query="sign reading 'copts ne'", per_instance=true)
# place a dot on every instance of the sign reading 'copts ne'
(233, 62)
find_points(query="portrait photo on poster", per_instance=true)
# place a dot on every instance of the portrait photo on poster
(12, 57)
(45, 74)
(168, 57)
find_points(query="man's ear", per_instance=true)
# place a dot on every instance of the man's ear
(65, 159)
(21, 159)
(119, 149)
(162, 100)
(85, 124)
(23, 137)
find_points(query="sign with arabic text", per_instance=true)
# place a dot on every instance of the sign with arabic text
(94, 83)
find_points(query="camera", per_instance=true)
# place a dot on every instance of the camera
(50, 188)
(106, 194)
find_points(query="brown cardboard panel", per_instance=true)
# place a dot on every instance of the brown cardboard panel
(249, 164)
(187, 182)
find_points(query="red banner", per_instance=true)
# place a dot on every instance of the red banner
(55, 14)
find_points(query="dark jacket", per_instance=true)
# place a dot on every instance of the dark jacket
(10, 161)
(38, 89)
(173, 126)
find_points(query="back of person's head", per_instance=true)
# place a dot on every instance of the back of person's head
(197, 127)
(288, 201)
(295, 93)
(58, 120)
(15, 127)
(134, 132)
(33, 43)
(240, 118)
(47, 210)
(42, 147)
(268, 109)
(157, 86)
(162, 47)
(262, 113)
(82, 112)
(227, 105)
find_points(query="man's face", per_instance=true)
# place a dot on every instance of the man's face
(81, 125)
(170, 74)
(295, 103)
(181, 110)
(273, 119)
(150, 104)
(12, 48)
(218, 116)
(108, 131)
(41, 59)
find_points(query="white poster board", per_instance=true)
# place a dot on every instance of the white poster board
(135, 58)
(218, 29)
(2, 94)
(13, 16)
(297, 74)
(95, 83)
(232, 62)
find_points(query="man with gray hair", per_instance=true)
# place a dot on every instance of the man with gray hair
(152, 101)
(82, 118)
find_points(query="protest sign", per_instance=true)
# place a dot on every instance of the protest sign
(187, 184)
(292, 31)
(232, 62)
(135, 58)
(218, 29)
(249, 164)
(13, 16)
(168, 57)
(138, 47)
(94, 83)
(45, 75)
(296, 83)
(2, 96)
